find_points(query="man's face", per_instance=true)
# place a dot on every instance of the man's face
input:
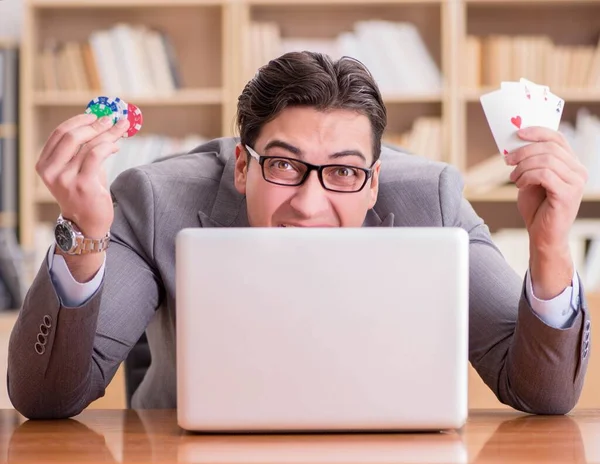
(332, 137)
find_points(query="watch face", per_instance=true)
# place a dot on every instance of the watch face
(64, 238)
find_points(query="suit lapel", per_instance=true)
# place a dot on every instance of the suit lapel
(372, 219)
(229, 209)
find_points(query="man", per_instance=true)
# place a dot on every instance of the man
(529, 339)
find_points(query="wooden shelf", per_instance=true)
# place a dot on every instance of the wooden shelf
(512, 3)
(122, 4)
(181, 98)
(569, 95)
(341, 2)
(509, 194)
(391, 99)
(8, 131)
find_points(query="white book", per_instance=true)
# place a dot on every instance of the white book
(395, 55)
(256, 47)
(159, 63)
(296, 44)
(347, 45)
(422, 70)
(376, 55)
(588, 133)
(107, 63)
(514, 246)
(591, 276)
(273, 38)
(148, 61)
(132, 70)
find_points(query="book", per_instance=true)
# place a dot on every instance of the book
(394, 52)
(126, 59)
(494, 58)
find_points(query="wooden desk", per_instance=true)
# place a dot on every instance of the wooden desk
(98, 436)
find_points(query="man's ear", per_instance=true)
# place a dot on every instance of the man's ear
(241, 169)
(374, 189)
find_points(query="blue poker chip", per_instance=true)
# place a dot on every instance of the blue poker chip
(108, 103)
(122, 108)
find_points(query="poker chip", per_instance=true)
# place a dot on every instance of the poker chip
(122, 108)
(100, 111)
(136, 119)
(105, 102)
(118, 109)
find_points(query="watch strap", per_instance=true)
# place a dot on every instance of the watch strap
(86, 245)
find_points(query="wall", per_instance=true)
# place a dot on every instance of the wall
(10, 18)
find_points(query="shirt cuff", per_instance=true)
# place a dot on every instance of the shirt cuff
(560, 311)
(71, 293)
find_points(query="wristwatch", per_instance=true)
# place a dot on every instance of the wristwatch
(71, 241)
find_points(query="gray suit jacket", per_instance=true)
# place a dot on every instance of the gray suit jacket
(526, 363)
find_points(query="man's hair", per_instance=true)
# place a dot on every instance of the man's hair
(312, 80)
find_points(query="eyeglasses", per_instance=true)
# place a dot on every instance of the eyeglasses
(292, 172)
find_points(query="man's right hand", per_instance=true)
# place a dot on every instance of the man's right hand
(71, 166)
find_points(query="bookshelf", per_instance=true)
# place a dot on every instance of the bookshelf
(215, 42)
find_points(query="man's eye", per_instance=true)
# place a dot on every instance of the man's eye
(281, 164)
(345, 172)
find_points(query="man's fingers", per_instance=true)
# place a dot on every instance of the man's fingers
(543, 177)
(71, 141)
(537, 148)
(544, 134)
(61, 130)
(111, 136)
(115, 133)
(545, 161)
(91, 163)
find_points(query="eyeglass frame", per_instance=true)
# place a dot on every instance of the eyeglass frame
(310, 167)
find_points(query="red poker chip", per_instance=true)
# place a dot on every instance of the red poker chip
(136, 119)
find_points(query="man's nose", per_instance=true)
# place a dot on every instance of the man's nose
(311, 198)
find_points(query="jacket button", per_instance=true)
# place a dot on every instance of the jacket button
(39, 348)
(47, 321)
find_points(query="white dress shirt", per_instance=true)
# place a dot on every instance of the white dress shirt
(557, 312)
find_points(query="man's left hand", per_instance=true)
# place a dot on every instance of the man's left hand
(551, 182)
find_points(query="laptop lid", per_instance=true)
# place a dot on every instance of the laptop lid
(322, 329)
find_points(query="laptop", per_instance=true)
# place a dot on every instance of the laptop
(330, 329)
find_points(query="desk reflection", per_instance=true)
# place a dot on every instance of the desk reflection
(547, 439)
(153, 436)
(57, 441)
(336, 448)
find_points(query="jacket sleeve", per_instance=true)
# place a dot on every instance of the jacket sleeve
(85, 345)
(528, 364)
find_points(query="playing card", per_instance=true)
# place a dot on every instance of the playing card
(506, 111)
(547, 107)
(537, 92)
(553, 111)
(516, 87)
(517, 105)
